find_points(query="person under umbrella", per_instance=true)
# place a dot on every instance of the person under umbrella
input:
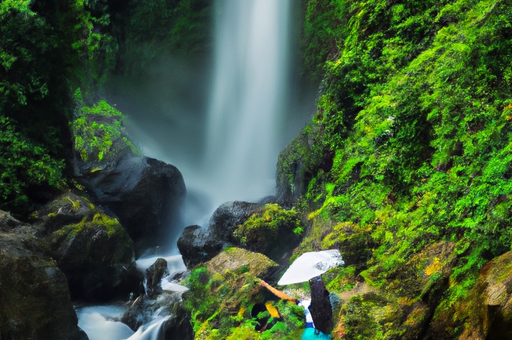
(310, 332)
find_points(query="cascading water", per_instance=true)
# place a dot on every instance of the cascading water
(244, 129)
(248, 99)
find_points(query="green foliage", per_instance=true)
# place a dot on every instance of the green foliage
(97, 49)
(323, 31)
(151, 29)
(220, 306)
(416, 107)
(39, 62)
(99, 133)
(24, 166)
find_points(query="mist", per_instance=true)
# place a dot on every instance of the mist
(222, 118)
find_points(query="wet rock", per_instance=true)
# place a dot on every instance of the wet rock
(228, 217)
(198, 244)
(144, 193)
(154, 275)
(91, 248)
(8, 223)
(233, 259)
(34, 297)
(149, 208)
(165, 304)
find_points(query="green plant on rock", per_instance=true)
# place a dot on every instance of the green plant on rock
(221, 304)
(270, 230)
(24, 165)
(99, 132)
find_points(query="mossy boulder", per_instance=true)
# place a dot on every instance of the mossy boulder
(34, 297)
(224, 294)
(238, 259)
(271, 230)
(198, 245)
(90, 247)
(485, 312)
(144, 193)
(397, 303)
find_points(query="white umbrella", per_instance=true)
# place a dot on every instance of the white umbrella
(311, 264)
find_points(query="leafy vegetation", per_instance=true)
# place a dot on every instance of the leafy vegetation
(414, 115)
(24, 167)
(221, 306)
(99, 134)
(48, 49)
(151, 29)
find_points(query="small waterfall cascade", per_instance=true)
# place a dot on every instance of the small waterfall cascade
(151, 331)
(102, 322)
(248, 98)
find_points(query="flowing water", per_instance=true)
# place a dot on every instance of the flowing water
(234, 156)
(223, 125)
(248, 98)
(102, 322)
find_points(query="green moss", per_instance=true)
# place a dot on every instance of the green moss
(271, 231)
(415, 108)
(99, 133)
(221, 304)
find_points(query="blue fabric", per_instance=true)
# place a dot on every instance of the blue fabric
(310, 334)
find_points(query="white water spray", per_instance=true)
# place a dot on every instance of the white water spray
(248, 98)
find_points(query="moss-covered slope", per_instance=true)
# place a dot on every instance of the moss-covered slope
(410, 146)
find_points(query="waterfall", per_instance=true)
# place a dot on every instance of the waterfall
(248, 97)
(244, 123)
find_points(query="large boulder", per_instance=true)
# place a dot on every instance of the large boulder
(198, 244)
(238, 259)
(271, 230)
(90, 247)
(144, 193)
(34, 297)
(147, 202)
